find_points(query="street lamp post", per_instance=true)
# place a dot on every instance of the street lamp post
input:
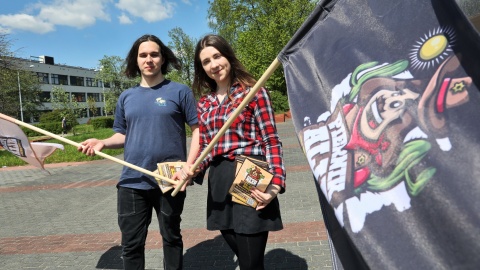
(104, 104)
(20, 95)
(103, 92)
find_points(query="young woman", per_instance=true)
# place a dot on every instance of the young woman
(253, 133)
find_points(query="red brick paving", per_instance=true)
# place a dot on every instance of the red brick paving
(52, 165)
(82, 184)
(292, 232)
(101, 183)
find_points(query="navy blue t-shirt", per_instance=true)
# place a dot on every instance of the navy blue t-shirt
(153, 122)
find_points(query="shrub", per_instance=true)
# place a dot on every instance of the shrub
(188, 130)
(55, 117)
(279, 102)
(102, 122)
(53, 127)
(31, 133)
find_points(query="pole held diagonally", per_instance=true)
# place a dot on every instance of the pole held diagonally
(273, 66)
(60, 138)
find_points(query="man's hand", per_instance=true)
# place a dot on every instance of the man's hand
(90, 146)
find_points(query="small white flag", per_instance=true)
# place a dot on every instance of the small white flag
(16, 142)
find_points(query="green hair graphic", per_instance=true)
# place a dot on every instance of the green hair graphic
(384, 71)
(411, 155)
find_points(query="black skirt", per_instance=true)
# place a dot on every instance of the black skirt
(223, 214)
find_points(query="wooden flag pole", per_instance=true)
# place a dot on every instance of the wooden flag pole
(60, 138)
(273, 66)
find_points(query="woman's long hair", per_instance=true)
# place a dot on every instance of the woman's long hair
(238, 73)
(170, 60)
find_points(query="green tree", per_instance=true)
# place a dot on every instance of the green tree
(110, 102)
(471, 8)
(62, 101)
(258, 30)
(14, 79)
(184, 48)
(92, 106)
(111, 73)
(4, 45)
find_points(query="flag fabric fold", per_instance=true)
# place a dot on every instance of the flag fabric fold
(385, 98)
(14, 140)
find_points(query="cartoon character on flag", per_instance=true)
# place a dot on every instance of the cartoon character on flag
(16, 142)
(367, 151)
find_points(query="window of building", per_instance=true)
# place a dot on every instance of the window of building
(35, 118)
(97, 111)
(59, 79)
(82, 113)
(91, 82)
(96, 96)
(79, 97)
(45, 96)
(55, 79)
(43, 77)
(78, 81)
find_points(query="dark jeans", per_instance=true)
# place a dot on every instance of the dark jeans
(134, 209)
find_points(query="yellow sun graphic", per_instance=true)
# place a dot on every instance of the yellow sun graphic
(432, 49)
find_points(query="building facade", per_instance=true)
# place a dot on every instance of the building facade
(79, 82)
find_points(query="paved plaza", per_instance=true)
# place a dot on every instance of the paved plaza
(67, 220)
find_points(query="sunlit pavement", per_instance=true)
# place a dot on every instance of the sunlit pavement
(67, 220)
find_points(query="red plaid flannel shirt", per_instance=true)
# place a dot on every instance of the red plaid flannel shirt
(252, 133)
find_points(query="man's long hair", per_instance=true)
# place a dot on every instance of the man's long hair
(170, 60)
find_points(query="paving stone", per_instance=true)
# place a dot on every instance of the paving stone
(66, 219)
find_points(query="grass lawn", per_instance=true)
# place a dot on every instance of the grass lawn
(70, 154)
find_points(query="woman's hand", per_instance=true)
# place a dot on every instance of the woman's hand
(185, 174)
(264, 198)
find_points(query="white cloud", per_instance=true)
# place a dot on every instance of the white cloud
(124, 19)
(25, 22)
(42, 18)
(74, 13)
(148, 10)
(188, 2)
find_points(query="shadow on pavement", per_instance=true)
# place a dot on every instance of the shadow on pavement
(282, 259)
(210, 254)
(215, 254)
(111, 259)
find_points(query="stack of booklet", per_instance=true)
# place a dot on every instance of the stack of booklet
(168, 169)
(249, 173)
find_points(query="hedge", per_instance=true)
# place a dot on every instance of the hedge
(101, 122)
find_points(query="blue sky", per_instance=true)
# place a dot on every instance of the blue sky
(81, 32)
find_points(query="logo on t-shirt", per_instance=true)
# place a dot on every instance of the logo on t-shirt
(161, 102)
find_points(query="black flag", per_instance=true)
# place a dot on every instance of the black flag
(385, 100)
